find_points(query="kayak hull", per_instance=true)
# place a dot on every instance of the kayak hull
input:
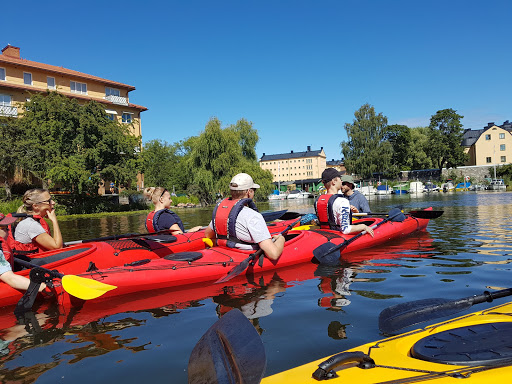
(395, 361)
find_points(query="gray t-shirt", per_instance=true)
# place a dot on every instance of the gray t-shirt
(27, 230)
(250, 227)
(5, 266)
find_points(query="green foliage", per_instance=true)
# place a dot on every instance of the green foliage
(10, 206)
(73, 146)
(399, 137)
(248, 138)
(162, 164)
(418, 148)
(445, 137)
(11, 154)
(367, 151)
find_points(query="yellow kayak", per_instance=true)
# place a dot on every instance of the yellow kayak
(475, 348)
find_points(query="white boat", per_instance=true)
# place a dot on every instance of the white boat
(416, 187)
(277, 196)
(298, 194)
(448, 187)
(384, 190)
(431, 187)
(367, 190)
(497, 185)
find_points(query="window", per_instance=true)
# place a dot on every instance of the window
(502, 135)
(27, 78)
(77, 87)
(502, 147)
(50, 82)
(112, 92)
(487, 137)
(503, 159)
(2, 74)
(5, 100)
(488, 160)
(127, 117)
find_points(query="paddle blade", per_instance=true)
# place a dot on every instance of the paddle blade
(208, 242)
(85, 289)
(235, 271)
(403, 315)
(426, 214)
(231, 351)
(328, 254)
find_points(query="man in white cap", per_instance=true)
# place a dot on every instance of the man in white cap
(236, 222)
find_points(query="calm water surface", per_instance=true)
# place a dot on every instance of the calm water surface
(303, 313)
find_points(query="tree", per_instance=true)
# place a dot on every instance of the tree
(445, 138)
(248, 138)
(10, 155)
(367, 151)
(419, 146)
(399, 136)
(75, 146)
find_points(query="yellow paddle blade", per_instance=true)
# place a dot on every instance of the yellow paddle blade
(85, 289)
(208, 241)
(302, 228)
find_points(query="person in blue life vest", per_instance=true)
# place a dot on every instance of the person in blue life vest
(33, 234)
(162, 218)
(358, 202)
(236, 222)
(333, 209)
(6, 259)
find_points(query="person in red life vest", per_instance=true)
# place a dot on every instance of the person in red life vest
(6, 259)
(333, 209)
(32, 234)
(162, 217)
(236, 222)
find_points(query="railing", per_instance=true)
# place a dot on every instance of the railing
(117, 99)
(8, 111)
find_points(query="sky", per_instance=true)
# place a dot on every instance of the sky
(298, 70)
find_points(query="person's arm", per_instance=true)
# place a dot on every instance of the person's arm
(51, 242)
(273, 249)
(209, 232)
(17, 281)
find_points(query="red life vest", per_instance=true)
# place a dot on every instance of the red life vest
(152, 220)
(32, 247)
(224, 220)
(4, 246)
(324, 211)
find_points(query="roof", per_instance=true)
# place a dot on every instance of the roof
(335, 162)
(292, 155)
(472, 135)
(60, 70)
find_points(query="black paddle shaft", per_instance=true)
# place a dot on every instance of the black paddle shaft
(403, 315)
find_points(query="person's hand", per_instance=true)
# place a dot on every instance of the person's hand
(354, 209)
(369, 230)
(51, 215)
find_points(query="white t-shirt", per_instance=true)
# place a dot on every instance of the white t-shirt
(341, 212)
(250, 227)
(27, 229)
(5, 266)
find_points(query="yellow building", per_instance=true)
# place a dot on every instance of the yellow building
(490, 145)
(298, 167)
(19, 78)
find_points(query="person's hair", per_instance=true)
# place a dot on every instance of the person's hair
(31, 197)
(329, 183)
(154, 193)
(238, 194)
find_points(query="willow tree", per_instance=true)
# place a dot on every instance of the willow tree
(367, 151)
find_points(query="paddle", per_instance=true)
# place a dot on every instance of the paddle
(230, 351)
(273, 215)
(418, 214)
(328, 254)
(404, 315)
(245, 263)
(85, 289)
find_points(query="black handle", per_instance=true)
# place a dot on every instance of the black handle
(324, 369)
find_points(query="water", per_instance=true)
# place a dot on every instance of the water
(302, 313)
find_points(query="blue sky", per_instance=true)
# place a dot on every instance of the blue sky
(297, 69)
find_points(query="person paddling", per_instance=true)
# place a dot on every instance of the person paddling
(32, 234)
(162, 217)
(236, 222)
(333, 209)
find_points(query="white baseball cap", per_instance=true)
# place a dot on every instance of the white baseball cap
(241, 182)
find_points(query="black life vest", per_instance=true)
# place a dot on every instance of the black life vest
(324, 211)
(224, 221)
(152, 220)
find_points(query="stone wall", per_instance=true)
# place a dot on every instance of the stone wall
(477, 174)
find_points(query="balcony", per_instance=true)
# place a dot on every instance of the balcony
(8, 111)
(117, 99)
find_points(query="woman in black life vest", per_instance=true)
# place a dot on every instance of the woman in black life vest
(162, 217)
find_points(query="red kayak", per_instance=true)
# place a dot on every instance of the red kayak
(187, 269)
(100, 255)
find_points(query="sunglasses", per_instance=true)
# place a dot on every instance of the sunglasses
(165, 190)
(46, 201)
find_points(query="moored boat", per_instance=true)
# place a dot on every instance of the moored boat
(474, 348)
(497, 185)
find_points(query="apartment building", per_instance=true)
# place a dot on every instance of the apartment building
(490, 145)
(300, 168)
(19, 78)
